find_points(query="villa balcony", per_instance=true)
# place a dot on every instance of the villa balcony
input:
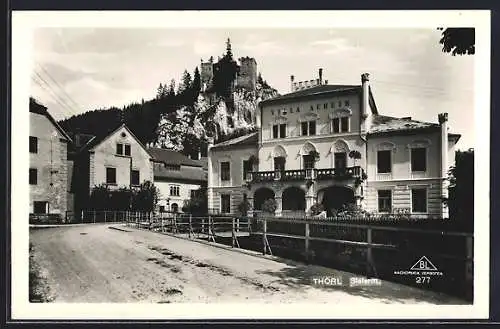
(305, 174)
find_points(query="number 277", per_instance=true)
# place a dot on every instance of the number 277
(422, 279)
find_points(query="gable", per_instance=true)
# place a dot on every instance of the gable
(124, 136)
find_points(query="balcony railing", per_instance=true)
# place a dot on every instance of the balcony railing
(303, 174)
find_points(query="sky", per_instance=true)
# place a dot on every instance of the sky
(91, 68)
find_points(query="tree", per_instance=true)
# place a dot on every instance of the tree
(461, 192)
(198, 204)
(146, 198)
(458, 41)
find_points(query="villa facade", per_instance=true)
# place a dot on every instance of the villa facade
(329, 144)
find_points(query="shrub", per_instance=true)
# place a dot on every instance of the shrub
(243, 207)
(316, 209)
(269, 206)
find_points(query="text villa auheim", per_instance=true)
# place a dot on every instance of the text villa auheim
(339, 281)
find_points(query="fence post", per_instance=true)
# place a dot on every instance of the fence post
(232, 232)
(369, 255)
(203, 225)
(238, 224)
(81, 218)
(264, 236)
(190, 225)
(307, 241)
(114, 216)
(94, 215)
(105, 216)
(468, 264)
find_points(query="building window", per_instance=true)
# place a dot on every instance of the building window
(308, 128)
(119, 149)
(340, 159)
(384, 201)
(332, 105)
(110, 175)
(336, 125)
(340, 125)
(317, 106)
(340, 103)
(193, 194)
(225, 174)
(272, 112)
(135, 177)
(384, 162)
(279, 131)
(346, 103)
(291, 110)
(246, 168)
(418, 159)
(325, 106)
(282, 130)
(127, 149)
(419, 200)
(309, 161)
(162, 208)
(33, 176)
(40, 207)
(344, 124)
(33, 144)
(298, 109)
(225, 203)
(175, 190)
(279, 163)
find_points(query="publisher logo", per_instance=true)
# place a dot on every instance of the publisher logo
(422, 267)
(423, 264)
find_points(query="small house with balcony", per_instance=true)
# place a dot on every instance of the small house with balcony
(328, 144)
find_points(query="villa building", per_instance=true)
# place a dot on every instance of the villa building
(329, 144)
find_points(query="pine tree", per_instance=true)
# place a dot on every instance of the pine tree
(196, 82)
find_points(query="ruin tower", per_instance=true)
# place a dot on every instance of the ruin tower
(207, 72)
(247, 75)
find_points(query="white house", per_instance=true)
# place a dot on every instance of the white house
(177, 177)
(304, 152)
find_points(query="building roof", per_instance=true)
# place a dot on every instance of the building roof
(383, 124)
(42, 110)
(251, 139)
(313, 91)
(186, 173)
(171, 157)
(95, 141)
(204, 162)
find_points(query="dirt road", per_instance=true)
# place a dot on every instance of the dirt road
(114, 263)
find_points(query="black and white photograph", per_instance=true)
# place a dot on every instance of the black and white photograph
(187, 165)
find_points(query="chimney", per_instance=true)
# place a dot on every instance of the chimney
(365, 104)
(291, 83)
(320, 76)
(443, 123)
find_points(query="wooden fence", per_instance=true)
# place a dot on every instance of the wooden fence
(379, 246)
